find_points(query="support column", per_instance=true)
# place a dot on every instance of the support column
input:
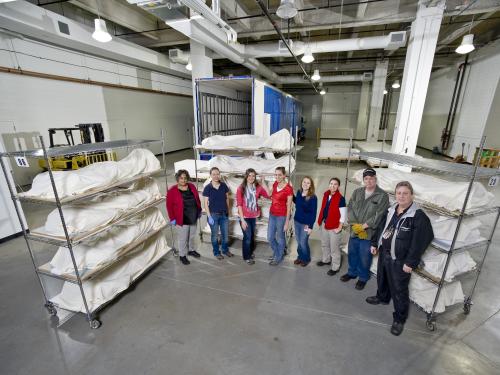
(379, 79)
(418, 66)
(364, 109)
(202, 68)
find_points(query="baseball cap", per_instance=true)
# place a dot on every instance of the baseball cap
(369, 172)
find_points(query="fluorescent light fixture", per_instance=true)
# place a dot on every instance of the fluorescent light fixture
(396, 84)
(467, 45)
(101, 32)
(286, 9)
(322, 92)
(385, 92)
(189, 66)
(308, 56)
(316, 76)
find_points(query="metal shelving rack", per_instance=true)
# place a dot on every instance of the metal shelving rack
(69, 241)
(293, 149)
(469, 172)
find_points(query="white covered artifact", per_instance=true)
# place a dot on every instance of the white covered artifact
(94, 176)
(444, 230)
(279, 141)
(336, 149)
(113, 280)
(423, 293)
(446, 194)
(434, 262)
(107, 246)
(240, 165)
(101, 210)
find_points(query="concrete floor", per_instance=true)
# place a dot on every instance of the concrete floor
(225, 317)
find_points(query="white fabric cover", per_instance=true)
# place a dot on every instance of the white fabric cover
(189, 165)
(444, 229)
(434, 262)
(336, 149)
(240, 165)
(279, 141)
(107, 246)
(436, 191)
(373, 147)
(113, 280)
(101, 210)
(423, 293)
(93, 176)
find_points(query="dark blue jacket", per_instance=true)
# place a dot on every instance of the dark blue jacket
(305, 209)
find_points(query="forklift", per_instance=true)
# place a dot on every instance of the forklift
(77, 160)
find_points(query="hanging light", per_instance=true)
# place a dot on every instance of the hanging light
(286, 9)
(385, 92)
(316, 76)
(189, 66)
(308, 56)
(322, 92)
(101, 32)
(467, 45)
(396, 84)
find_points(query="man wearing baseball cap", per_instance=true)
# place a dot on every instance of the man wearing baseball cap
(364, 212)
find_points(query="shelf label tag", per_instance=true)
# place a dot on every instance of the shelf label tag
(21, 161)
(494, 181)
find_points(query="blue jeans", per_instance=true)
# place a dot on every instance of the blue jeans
(220, 221)
(248, 238)
(303, 250)
(276, 236)
(359, 258)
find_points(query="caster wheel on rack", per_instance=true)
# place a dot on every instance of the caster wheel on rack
(431, 325)
(95, 323)
(51, 309)
(467, 307)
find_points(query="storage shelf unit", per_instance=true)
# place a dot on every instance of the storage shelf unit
(79, 276)
(471, 173)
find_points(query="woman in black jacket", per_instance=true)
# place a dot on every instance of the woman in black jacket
(401, 238)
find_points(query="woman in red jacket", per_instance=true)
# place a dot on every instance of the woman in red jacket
(184, 209)
(332, 215)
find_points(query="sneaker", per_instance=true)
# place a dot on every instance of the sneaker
(250, 261)
(271, 257)
(374, 300)
(274, 263)
(321, 263)
(360, 285)
(194, 253)
(346, 277)
(397, 328)
(331, 272)
(229, 254)
(184, 260)
(220, 257)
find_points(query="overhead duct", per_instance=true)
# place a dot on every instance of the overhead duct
(328, 79)
(38, 23)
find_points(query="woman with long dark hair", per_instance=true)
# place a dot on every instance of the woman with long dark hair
(306, 205)
(247, 197)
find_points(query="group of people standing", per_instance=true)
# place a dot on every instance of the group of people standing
(399, 234)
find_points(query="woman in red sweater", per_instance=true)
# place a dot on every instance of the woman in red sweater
(332, 216)
(279, 216)
(184, 209)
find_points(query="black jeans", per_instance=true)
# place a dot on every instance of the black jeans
(248, 238)
(392, 282)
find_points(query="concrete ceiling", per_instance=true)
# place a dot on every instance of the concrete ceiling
(318, 20)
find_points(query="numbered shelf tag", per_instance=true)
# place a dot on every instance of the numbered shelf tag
(21, 161)
(494, 181)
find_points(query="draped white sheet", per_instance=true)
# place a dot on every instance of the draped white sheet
(113, 280)
(279, 141)
(444, 229)
(334, 148)
(101, 210)
(106, 247)
(423, 293)
(436, 191)
(434, 262)
(93, 176)
(240, 165)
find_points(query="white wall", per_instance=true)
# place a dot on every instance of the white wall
(492, 129)
(312, 107)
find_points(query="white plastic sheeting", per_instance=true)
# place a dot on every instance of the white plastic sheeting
(94, 176)
(279, 141)
(108, 246)
(336, 149)
(240, 165)
(423, 293)
(114, 280)
(373, 147)
(446, 194)
(434, 262)
(444, 229)
(101, 210)
(189, 165)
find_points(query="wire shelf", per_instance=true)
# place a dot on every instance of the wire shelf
(431, 165)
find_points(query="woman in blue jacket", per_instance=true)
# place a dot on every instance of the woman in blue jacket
(306, 205)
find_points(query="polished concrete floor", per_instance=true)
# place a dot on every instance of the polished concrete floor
(226, 317)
